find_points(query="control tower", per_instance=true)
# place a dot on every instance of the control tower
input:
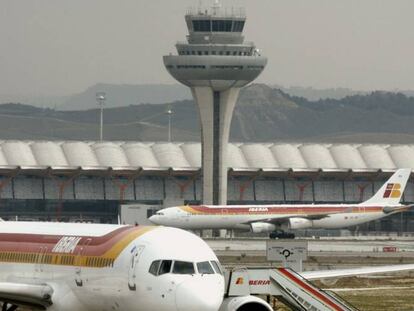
(215, 63)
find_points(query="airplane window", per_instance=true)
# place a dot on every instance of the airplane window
(204, 268)
(183, 267)
(159, 213)
(154, 267)
(165, 267)
(217, 267)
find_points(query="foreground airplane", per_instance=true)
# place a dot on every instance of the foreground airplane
(84, 267)
(273, 218)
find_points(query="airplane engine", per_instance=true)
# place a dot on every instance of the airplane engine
(262, 227)
(300, 223)
(245, 303)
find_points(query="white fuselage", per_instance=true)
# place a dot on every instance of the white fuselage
(268, 218)
(92, 281)
(241, 217)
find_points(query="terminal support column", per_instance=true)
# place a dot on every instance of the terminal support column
(216, 110)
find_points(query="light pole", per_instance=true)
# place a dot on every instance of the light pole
(100, 98)
(169, 113)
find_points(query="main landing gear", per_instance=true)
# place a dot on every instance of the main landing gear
(279, 234)
(8, 307)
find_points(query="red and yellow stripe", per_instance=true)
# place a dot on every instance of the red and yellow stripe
(277, 210)
(310, 290)
(89, 252)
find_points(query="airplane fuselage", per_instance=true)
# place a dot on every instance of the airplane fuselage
(269, 218)
(241, 217)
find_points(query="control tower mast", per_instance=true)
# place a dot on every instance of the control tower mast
(215, 63)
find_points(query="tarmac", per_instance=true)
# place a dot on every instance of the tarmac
(344, 247)
(322, 253)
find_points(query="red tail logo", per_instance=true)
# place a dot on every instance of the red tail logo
(239, 281)
(392, 191)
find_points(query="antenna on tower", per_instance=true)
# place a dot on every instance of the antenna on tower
(216, 6)
(200, 5)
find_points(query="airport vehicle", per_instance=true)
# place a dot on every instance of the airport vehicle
(89, 267)
(274, 219)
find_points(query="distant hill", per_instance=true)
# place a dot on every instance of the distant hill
(125, 95)
(139, 122)
(45, 101)
(117, 96)
(262, 114)
(313, 94)
(130, 94)
(281, 116)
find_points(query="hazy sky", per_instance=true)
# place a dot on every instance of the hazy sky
(58, 47)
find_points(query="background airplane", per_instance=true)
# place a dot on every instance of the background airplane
(272, 218)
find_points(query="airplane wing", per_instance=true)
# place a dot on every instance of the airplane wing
(326, 274)
(37, 297)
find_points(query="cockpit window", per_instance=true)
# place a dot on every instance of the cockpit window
(165, 267)
(160, 267)
(217, 267)
(183, 267)
(204, 268)
(154, 267)
(159, 213)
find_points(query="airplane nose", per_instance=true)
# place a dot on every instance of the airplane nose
(154, 219)
(201, 294)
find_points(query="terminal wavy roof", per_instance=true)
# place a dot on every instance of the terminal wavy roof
(187, 156)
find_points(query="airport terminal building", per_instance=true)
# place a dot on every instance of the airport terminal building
(89, 181)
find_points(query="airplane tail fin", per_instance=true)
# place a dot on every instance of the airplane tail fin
(391, 192)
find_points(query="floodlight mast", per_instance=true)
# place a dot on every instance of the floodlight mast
(215, 63)
(100, 97)
(169, 113)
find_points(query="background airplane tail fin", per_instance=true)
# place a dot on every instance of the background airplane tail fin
(391, 192)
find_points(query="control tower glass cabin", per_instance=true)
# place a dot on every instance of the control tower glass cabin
(215, 63)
